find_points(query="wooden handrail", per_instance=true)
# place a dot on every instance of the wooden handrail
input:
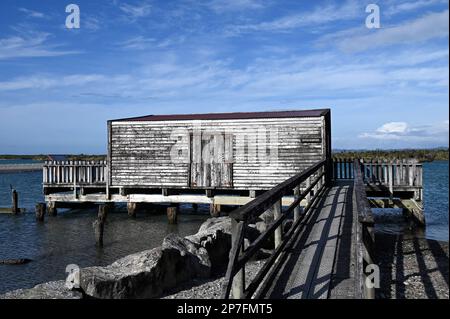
(362, 203)
(239, 256)
(364, 231)
(263, 202)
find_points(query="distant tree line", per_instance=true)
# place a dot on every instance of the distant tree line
(42, 157)
(423, 155)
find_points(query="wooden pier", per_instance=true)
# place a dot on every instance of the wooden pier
(325, 253)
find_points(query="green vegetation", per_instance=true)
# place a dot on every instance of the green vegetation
(423, 155)
(41, 157)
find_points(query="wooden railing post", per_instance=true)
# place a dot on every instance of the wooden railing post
(278, 232)
(308, 196)
(391, 179)
(297, 208)
(238, 285)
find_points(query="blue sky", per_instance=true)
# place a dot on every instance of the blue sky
(387, 87)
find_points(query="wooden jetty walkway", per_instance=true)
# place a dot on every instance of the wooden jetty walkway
(327, 252)
(309, 270)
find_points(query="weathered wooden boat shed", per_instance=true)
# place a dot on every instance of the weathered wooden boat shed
(216, 159)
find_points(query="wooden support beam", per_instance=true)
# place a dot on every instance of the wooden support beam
(172, 214)
(209, 193)
(413, 210)
(40, 211)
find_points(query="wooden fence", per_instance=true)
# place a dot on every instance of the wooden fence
(406, 172)
(60, 173)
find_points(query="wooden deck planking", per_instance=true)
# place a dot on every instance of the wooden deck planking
(316, 258)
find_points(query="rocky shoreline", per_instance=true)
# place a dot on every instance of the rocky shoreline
(412, 267)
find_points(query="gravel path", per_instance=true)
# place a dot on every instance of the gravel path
(210, 289)
(412, 268)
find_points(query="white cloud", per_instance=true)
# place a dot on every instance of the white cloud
(136, 11)
(90, 23)
(412, 5)
(32, 13)
(402, 131)
(33, 44)
(47, 82)
(138, 43)
(319, 15)
(393, 128)
(431, 26)
(235, 5)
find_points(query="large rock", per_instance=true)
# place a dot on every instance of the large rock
(48, 290)
(264, 220)
(215, 236)
(149, 273)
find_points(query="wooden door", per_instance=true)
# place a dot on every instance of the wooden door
(211, 160)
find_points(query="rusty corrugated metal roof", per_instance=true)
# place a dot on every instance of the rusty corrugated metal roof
(229, 116)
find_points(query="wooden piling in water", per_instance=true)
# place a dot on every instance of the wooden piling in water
(15, 202)
(40, 211)
(214, 210)
(131, 207)
(172, 214)
(99, 223)
(51, 209)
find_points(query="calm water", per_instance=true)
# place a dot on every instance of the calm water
(69, 239)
